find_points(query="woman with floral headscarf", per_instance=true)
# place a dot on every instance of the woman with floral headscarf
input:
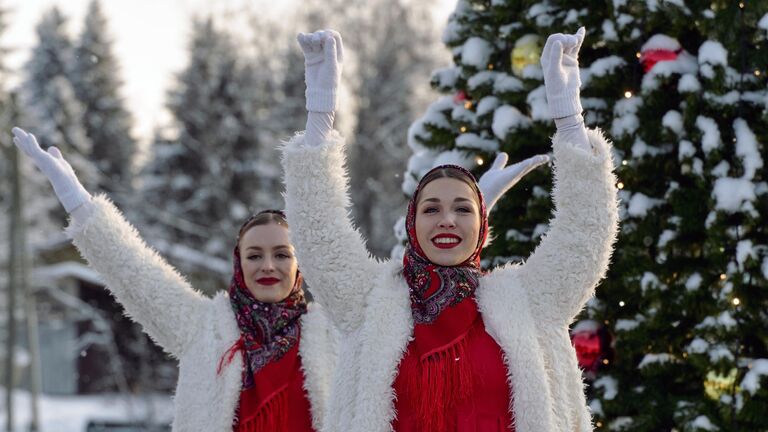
(255, 358)
(434, 343)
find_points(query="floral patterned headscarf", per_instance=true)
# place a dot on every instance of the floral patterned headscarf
(434, 287)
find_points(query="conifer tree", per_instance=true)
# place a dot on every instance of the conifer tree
(53, 112)
(206, 175)
(680, 88)
(106, 121)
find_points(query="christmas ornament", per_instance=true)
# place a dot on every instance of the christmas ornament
(717, 384)
(460, 97)
(593, 343)
(527, 51)
(659, 48)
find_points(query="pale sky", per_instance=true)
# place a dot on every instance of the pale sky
(150, 39)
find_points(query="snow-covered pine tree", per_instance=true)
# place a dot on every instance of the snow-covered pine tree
(685, 295)
(206, 176)
(394, 49)
(54, 113)
(494, 102)
(107, 123)
(687, 292)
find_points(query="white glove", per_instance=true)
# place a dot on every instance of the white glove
(560, 63)
(67, 187)
(498, 179)
(323, 57)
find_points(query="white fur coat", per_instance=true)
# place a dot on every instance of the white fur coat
(193, 328)
(526, 308)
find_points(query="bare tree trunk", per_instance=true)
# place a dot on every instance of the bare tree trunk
(14, 271)
(34, 345)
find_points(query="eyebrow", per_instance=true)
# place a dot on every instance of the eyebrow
(276, 247)
(437, 200)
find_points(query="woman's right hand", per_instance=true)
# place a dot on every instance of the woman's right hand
(65, 184)
(323, 57)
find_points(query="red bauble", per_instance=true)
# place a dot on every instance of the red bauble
(589, 351)
(594, 346)
(459, 97)
(650, 57)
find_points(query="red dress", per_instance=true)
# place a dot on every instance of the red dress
(453, 377)
(277, 401)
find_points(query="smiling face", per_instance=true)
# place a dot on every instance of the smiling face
(268, 262)
(447, 221)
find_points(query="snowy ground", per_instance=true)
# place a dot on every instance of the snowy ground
(72, 413)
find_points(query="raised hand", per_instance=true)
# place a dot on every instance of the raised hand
(59, 172)
(560, 63)
(323, 58)
(499, 179)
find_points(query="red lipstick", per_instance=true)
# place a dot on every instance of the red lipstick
(446, 241)
(267, 281)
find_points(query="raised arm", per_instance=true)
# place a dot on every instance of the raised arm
(152, 292)
(573, 256)
(332, 255)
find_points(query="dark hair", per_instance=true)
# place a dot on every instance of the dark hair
(264, 217)
(448, 172)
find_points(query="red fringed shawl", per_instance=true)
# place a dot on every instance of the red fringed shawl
(277, 401)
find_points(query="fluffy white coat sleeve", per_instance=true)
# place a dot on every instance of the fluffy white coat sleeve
(331, 252)
(573, 256)
(152, 292)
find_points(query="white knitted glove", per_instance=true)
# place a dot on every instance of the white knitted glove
(560, 62)
(65, 184)
(323, 57)
(498, 179)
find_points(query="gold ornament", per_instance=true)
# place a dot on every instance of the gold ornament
(527, 51)
(717, 384)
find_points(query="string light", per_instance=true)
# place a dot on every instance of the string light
(599, 424)
(741, 5)
(463, 129)
(490, 66)
(624, 162)
(467, 104)
(757, 72)
(685, 355)
(736, 301)
(627, 94)
(605, 361)
(723, 276)
(620, 185)
(479, 160)
(638, 55)
(621, 303)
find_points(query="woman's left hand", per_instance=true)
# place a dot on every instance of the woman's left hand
(323, 57)
(560, 63)
(499, 179)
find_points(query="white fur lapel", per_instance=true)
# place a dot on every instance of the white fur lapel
(384, 336)
(317, 349)
(507, 318)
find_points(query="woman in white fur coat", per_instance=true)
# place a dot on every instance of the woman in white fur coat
(503, 360)
(256, 358)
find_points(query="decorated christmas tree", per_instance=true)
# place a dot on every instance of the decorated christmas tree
(676, 338)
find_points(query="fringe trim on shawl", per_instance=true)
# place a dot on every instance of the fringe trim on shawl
(271, 416)
(443, 380)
